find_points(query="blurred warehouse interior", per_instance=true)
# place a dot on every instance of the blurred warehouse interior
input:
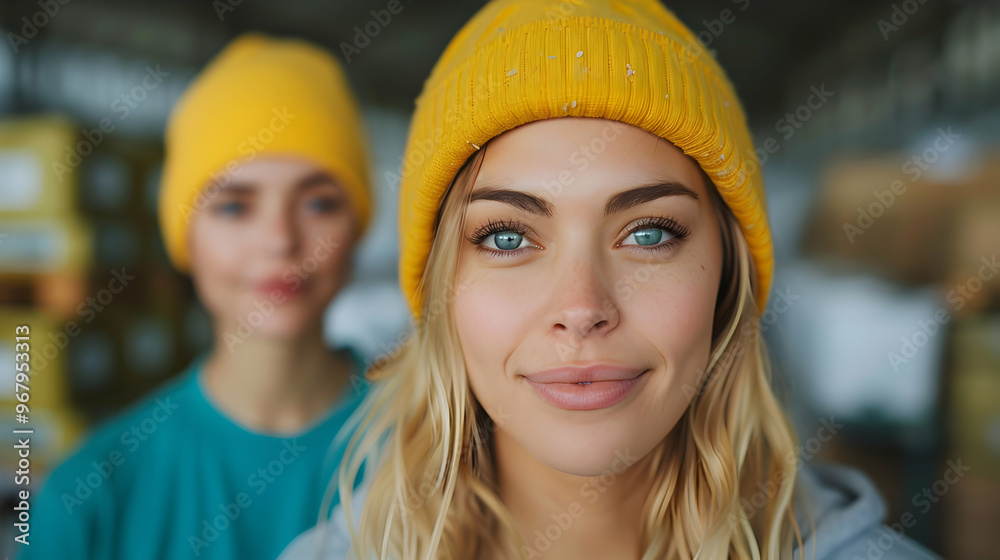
(877, 125)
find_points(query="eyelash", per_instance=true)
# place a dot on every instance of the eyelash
(677, 232)
(324, 204)
(318, 204)
(229, 209)
(492, 227)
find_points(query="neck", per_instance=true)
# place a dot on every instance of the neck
(276, 386)
(590, 517)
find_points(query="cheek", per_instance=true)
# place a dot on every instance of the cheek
(216, 263)
(215, 244)
(489, 309)
(675, 314)
(329, 252)
(332, 261)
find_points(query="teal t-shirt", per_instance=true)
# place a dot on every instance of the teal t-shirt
(174, 478)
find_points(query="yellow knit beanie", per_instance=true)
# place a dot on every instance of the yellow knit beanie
(519, 61)
(259, 96)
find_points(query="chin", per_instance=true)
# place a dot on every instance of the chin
(287, 324)
(586, 456)
(589, 464)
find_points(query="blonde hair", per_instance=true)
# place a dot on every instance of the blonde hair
(721, 481)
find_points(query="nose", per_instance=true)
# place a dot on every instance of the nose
(582, 303)
(278, 232)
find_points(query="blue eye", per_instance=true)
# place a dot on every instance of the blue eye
(655, 234)
(230, 209)
(504, 240)
(646, 237)
(323, 204)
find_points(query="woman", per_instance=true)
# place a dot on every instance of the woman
(264, 197)
(586, 250)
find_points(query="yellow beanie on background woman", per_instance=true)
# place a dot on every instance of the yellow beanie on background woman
(259, 96)
(519, 61)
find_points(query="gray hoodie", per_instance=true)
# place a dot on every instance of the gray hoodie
(845, 506)
(848, 513)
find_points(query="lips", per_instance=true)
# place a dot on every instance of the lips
(585, 388)
(285, 288)
(588, 374)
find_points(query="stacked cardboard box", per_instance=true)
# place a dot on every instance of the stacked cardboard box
(973, 503)
(44, 243)
(887, 215)
(44, 256)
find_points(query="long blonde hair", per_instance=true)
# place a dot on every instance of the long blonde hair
(721, 481)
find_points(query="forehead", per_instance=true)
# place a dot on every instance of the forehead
(273, 170)
(585, 156)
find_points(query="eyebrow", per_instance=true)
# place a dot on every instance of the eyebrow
(238, 189)
(617, 203)
(640, 195)
(312, 180)
(315, 179)
(518, 199)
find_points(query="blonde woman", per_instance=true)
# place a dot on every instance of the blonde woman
(586, 253)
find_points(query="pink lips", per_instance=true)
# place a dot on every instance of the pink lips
(285, 289)
(585, 388)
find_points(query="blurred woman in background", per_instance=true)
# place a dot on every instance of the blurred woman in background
(264, 196)
(587, 251)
